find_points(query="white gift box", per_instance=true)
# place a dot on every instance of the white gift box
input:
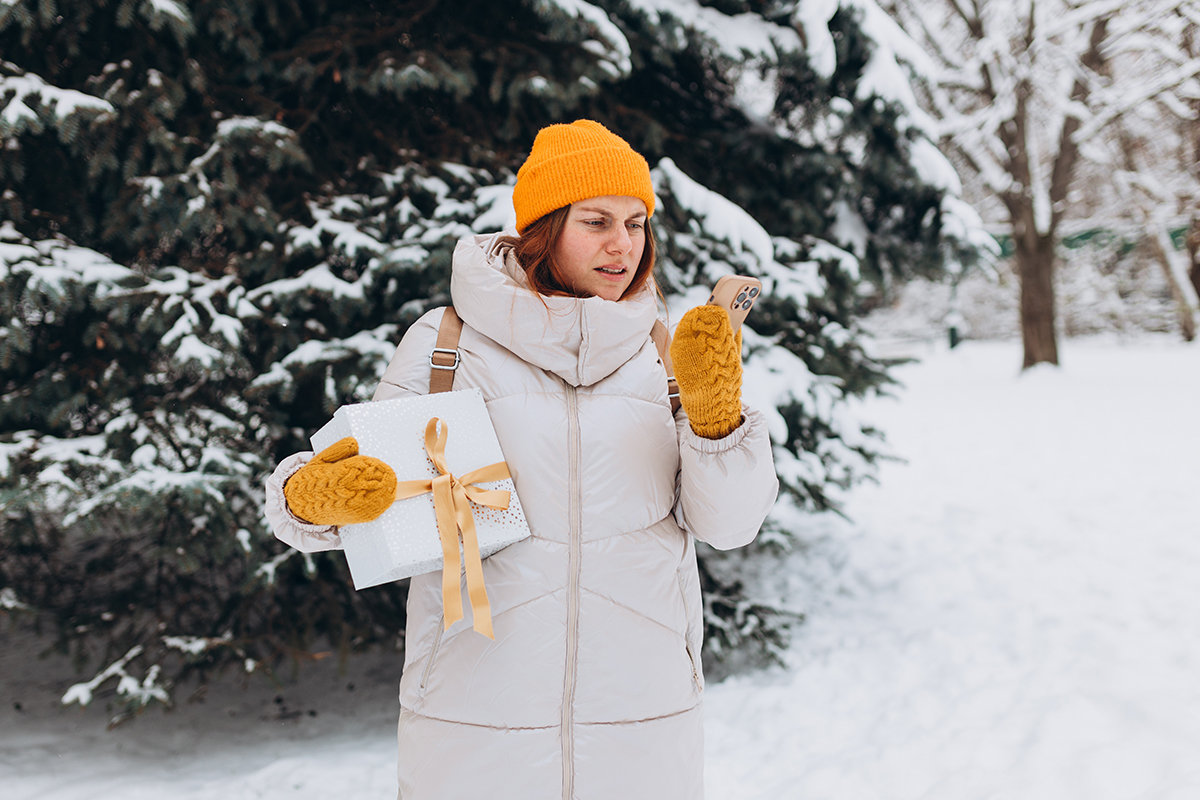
(404, 540)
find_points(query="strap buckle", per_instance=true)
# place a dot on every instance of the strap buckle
(445, 350)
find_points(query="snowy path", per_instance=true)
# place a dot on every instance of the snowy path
(1013, 613)
(1025, 597)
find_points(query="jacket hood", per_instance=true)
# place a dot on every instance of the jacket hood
(580, 339)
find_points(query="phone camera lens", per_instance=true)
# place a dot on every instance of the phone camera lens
(741, 298)
(754, 292)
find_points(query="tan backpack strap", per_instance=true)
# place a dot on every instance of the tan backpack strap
(444, 359)
(662, 340)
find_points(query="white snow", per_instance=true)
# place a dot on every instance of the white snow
(933, 167)
(172, 8)
(318, 280)
(738, 35)
(9, 600)
(1010, 614)
(757, 91)
(849, 228)
(65, 102)
(500, 214)
(812, 16)
(347, 236)
(81, 693)
(962, 223)
(193, 645)
(192, 350)
(721, 218)
(69, 266)
(1013, 617)
(618, 52)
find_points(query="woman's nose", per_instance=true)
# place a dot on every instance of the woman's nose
(620, 241)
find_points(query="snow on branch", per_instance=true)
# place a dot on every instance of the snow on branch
(933, 168)
(1159, 85)
(720, 217)
(169, 14)
(17, 116)
(10, 602)
(236, 138)
(195, 645)
(885, 32)
(1078, 17)
(153, 482)
(139, 693)
(267, 569)
(499, 213)
(614, 48)
(347, 236)
(812, 17)
(896, 61)
(318, 280)
(740, 36)
(279, 141)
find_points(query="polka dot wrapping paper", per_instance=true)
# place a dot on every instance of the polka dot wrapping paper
(404, 541)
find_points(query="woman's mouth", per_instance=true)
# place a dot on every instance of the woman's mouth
(611, 270)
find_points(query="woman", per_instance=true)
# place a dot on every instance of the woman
(592, 686)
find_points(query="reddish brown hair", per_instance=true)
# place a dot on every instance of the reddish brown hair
(534, 250)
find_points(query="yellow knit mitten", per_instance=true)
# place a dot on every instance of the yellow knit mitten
(708, 369)
(340, 487)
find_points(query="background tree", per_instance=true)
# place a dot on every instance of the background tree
(217, 219)
(1020, 91)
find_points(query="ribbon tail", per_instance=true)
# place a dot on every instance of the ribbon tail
(481, 608)
(492, 472)
(443, 504)
(492, 498)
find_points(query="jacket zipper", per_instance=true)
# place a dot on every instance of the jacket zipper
(687, 636)
(437, 643)
(575, 513)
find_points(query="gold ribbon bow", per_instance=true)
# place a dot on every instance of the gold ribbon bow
(452, 504)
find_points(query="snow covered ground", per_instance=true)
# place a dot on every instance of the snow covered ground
(1011, 613)
(1019, 602)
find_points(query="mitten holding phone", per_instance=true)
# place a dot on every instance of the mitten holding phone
(340, 487)
(708, 368)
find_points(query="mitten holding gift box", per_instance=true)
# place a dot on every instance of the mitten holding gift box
(340, 487)
(708, 368)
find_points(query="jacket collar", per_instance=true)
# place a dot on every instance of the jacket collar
(582, 340)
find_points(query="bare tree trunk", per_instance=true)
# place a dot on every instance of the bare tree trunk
(1194, 275)
(1187, 321)
(1034, 247)
(1035, 265)
(1192, 240)
(1193, 251)
(1034, 251)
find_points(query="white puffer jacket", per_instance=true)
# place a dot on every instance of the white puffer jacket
(592, 687)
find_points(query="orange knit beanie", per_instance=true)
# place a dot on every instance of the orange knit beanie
(573, 162)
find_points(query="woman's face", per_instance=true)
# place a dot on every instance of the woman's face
(601, 245)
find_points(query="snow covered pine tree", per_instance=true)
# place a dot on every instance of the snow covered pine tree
(217, 220)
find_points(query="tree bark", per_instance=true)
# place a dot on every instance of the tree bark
(1193, 251)
(1187, 320)
(1035, 248)
(1035, 266)
(1192, 240)
(1194, 275)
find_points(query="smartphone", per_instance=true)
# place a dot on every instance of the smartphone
(736, 294)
